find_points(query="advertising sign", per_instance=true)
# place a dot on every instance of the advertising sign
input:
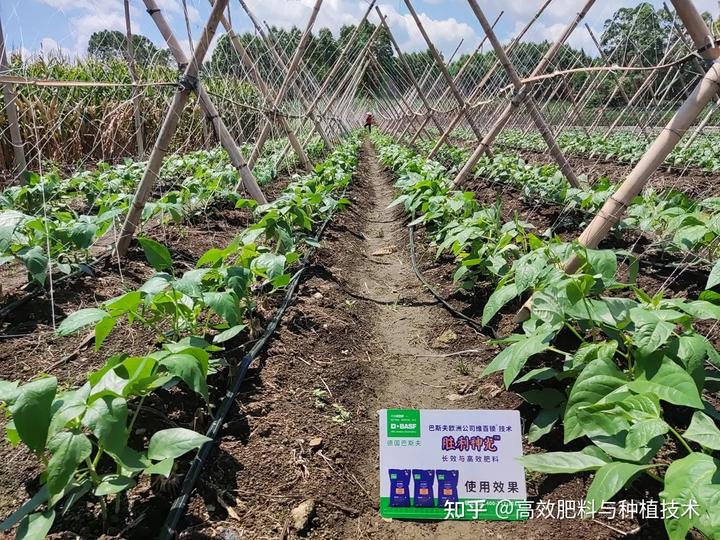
(451, 464)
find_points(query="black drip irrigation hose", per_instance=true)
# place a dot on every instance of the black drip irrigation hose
(454, 312)
(179, 506)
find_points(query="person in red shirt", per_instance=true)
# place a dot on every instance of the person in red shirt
(369, 122)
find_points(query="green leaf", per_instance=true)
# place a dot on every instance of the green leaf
(651, 332)
(562, 462)
(174, 442)
(603, 262)
(547, 398)
(107, 418)
(32, 412)
(229, 333)
(642, 432)
(82, 234)
(112, 484)
(714, 277)
(9, 391)
(609, 479)
(156, 284)
(75, 492)
(537, 374)
(163, 468)
(659, 375)
(36, 500)
(497, 300)
(156, 254)
(36, 262)
(692, 479)
(521, 352)
(592, 351)
(226, 305)
(126, 302)
(546, 307)
(67, 407)
(80, 319)
(596, 381)
(703, 430)
(269, 265)
(102, 331)
(68, 449)
(36, 526)
(543, 424)
(187, 368)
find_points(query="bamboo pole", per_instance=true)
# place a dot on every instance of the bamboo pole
(254, 73)
(247, 180)
(614, 208)
(443, 69)
(280, 58)
(618, 87)
(640, 91)
(169, 126)
(360, 59)
(432, 87)
(407, 69)
(512, 106)
(704, 92)
(139, 139)
(19, 161)
(285, 86)
(454, 122)
(411, 117)
(338, 63)
(535, 114)
(617, 79)
(399, 106)
(457, 78)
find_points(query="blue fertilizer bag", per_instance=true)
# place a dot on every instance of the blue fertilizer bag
(399, 487)
(423, 487)
(447, 486)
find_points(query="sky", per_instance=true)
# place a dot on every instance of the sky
(47, 25)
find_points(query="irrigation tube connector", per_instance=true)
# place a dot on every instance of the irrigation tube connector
(179, 506)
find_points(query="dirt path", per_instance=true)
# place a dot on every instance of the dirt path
(409, 332)
(362, 335)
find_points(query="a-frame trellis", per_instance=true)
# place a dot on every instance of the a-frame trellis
(187, 85)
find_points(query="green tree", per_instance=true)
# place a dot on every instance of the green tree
(108, 45)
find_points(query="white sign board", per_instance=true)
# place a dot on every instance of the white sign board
(451, 464)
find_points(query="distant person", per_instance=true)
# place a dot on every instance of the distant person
(369, 122)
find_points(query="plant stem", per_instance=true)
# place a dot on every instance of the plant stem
(135, 414)
(572, 329)
(681, 439)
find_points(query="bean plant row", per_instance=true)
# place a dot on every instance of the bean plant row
(54, 222)
(677, 223)
(622, 146)
(625, 377)
(81, 435)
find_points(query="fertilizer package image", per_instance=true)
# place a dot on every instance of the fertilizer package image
(447, 486)
(471, 454)
(399, 487)
(423, 487)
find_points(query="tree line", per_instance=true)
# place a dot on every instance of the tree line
(639, 35)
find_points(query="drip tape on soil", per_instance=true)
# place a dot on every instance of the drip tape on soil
(179, 506)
